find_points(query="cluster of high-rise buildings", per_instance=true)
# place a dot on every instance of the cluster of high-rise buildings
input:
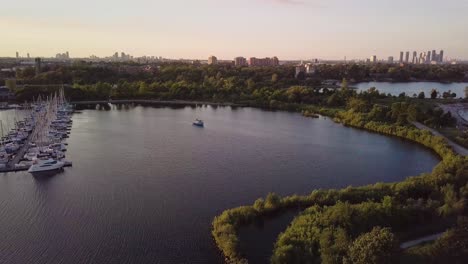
(18, 55)
(63, 56)
(253, 61)
(430, 57)
(123, 56)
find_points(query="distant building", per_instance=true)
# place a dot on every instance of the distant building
(62, 56)
(37, 63)
(441, 56)
(212, 60)
(434, 55)
(240, 61)
(415, 57)
(373, 59)
(407, 57)
(300, 69)
(28, 56)
(401, 56)
(428, 57)
(17, 55)
(264, 62)
(390, 59)
(310, 68)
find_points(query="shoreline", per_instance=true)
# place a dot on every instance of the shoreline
(226, 225)
(154, 101)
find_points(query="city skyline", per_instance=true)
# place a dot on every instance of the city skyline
(261, 28)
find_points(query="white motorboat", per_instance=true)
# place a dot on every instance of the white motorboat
(45, 165)
(198, 123)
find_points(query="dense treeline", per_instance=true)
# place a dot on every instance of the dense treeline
(216, 83)
(439, 194)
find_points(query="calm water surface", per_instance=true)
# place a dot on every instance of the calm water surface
(145, 184)
(411, 88)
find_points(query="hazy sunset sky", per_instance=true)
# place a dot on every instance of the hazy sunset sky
(289, 29)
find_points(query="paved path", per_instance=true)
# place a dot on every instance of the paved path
(421, 240)
(456, 110)
(457, 148)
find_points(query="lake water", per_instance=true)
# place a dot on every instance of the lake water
(145, 184)
(411, 88)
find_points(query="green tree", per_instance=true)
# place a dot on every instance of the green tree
(433, 94)
(344, 84)
(358, 104)
(274, 78)
(379, 246)
(421, 95)
(272, 201)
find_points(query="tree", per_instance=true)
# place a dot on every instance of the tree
(259, 204)
(344, 84)
(358, 105)
(376, 247)
(274, 78)
(434, 94)
(335, 100)
(272, 201)
(421, 95)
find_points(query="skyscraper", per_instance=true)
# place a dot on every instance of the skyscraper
(434, 55)
(390, 59)
(441, 56)
(407, 57)
(415, 57)
(428, 58)
(401, 56)
(17, 55)
(373, 59)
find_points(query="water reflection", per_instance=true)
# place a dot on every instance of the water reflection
(138, 172)
(44, 176)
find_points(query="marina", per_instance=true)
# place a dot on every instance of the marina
(36, 143)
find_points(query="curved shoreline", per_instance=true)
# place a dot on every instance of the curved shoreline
(225, 226)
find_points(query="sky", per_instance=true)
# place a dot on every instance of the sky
(289, 29)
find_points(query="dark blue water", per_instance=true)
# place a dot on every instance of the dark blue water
(145, 184)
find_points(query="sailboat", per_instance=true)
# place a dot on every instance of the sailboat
(48, 155)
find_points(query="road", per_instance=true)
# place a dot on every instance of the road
(457, 148)
(421, 240)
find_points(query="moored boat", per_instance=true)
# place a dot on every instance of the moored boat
(40, 165)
